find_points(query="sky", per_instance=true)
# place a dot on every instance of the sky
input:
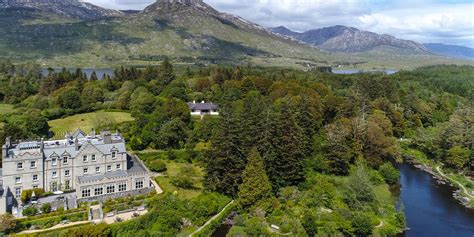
(425, 21)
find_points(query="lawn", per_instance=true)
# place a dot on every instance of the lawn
(87, 121)
(6, 108)
(174, 170)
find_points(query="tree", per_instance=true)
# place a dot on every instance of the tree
(94, 76)
(360, 185)
(69, 99)
(255, 185)
(390, 174)
(7, 222)
(157, 166)
(458, 157)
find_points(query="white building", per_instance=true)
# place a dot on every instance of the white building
(93, 166)
(203, 108)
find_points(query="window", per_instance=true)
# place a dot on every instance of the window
(54, 161)
(67, 173)
(114, 154)
(18, 180)
(65, 160)
(54, 186)
(98, 191)
(86, 193)
(119, 166)
(84, 158)
(67, 184)
(55, 174)
(122, 187)
(86, 170)
(97, 170)
(35, 177)
(35, 186)
(139, 184)
(33, 164)
(111, 188)
(19, 165)
(93, 158)
(109, 168)
(17, 192)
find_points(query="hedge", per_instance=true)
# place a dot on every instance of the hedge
(48, 222)
(209, 229)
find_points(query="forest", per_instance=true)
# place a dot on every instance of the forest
(314, 153)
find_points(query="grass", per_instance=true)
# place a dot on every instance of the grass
(86, 122)
(173, 170)
(6, 108)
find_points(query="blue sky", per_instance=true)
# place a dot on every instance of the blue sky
(439, 21)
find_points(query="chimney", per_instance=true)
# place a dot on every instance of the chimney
(93, 132)
(42, 144)
(76, 144)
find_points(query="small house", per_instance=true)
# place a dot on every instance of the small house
(203, 108)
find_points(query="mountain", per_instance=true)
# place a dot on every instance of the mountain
(351, 40)
(454, 51)
(67, 8)
(73, 33)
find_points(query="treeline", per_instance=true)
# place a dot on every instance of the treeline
(300, 136)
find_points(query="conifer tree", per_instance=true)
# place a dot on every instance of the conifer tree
(255, 185)
(94, 76)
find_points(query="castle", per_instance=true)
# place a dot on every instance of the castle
(92, 167)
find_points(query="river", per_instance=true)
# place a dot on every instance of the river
(430, 208)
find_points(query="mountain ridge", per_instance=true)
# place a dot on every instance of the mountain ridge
(455, 51)
(345, 39)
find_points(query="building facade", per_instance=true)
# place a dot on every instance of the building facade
(94, 166)
(203, 108)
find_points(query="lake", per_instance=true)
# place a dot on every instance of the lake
(430, 208)
(355, 71)
(99, 71)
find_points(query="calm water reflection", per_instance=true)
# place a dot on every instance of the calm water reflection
(430, 208)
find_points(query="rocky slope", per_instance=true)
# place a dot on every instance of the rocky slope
(351, 40)
(454, 51)
(67, 8)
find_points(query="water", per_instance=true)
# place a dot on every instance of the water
(430, 208)
(355, 71)
(99, 71)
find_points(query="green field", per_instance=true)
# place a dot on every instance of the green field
(6, 108)
(173, 171)
(87, 121)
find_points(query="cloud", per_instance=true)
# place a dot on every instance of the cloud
(444, 21)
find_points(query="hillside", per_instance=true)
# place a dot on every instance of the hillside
(454, 51)
(351, 40)
(72, 33)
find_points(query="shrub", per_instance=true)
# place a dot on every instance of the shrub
(30, 211)
(182, 182)
(389, 173)
(46, 208)
(362, 224)
(157, 166)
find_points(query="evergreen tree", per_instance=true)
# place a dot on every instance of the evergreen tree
(166, 73)
(94, 76)
(255, 185)
(226, 159)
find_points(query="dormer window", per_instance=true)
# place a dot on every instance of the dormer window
(85, 158)
(93, 158)
(65, 160)
(114, 154)
(54, 161)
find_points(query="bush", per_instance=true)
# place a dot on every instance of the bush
(46, 208)
(30, 211)
(157, 166)
(389, 173)
(362, 224)
(182, 182)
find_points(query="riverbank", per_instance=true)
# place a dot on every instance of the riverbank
(462, 194)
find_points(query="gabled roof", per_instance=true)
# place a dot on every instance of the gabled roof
(79, 134)
(202, 106)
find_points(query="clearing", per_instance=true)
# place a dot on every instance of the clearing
(86, 122)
